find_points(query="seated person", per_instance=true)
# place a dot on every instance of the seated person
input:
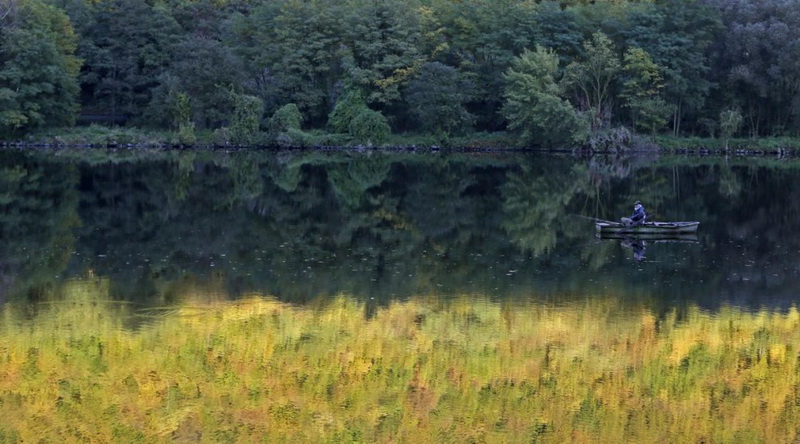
(637, 218)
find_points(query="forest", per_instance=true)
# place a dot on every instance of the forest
(343, 72)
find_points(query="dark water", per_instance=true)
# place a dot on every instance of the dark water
(386, 226)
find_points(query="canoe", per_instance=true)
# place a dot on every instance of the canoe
(607, 226)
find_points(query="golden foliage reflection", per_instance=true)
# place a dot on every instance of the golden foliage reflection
(87, 369)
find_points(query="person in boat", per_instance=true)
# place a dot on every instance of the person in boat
(637, 218)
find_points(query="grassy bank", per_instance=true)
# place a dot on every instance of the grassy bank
(119, 137)
(462, 370)
(766, 145)
(100, 136)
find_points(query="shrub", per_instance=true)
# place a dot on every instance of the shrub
(369, 127)
(347, 108)
(285, 118)
(246, 117)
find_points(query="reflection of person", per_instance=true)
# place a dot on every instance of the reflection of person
(637, 218)
(638, 247)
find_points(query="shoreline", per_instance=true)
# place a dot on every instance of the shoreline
(656, 149)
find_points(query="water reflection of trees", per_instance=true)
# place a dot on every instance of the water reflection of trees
(38, 202)
(388, 225)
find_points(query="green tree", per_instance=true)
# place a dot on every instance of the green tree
(677, 35)
(642, 89)
(349, 105)
(294, 51)
(560, 29)
(247, 111)
(285, 126)
(436, 98)
(534, 104)
(369, 127)
(38, 69)
(182, 115)
(730, 121)
(127, 48)
(206, 70)
(481, 41)
(757, 62)
(593, 76)
(382, 40)
(288, 117)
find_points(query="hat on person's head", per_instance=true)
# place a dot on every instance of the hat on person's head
(638, 202)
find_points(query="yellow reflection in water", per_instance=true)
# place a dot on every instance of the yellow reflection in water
(424, 370)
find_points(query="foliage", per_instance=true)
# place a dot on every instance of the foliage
(207, 71)
(729, 123)
(186, 134)
(481, 41)
(101, 135)
(381, 48)
(293, 52)
(247, 111)
(436, 98)
(127, 47)
(592, 78)
(678, 36)
(433, 66)
(38, 69)
(642, 91)
(757, 62)
(610, 140)
(261, 370)
(369, 127)
(349, 105)
(534, 104)
(182, 113)
(286, 118)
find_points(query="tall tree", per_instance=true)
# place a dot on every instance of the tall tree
(38, 69)
(436, 98)
(126, 48)
(294, 54)
(481, 42)
(534, 104)
(205, 70)
(759, 62)
(642, 91)
(677, 34)
(593, 78)
(382, 39)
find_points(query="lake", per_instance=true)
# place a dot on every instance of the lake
(330, 296)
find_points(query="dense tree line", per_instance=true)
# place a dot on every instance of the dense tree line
(554, 71)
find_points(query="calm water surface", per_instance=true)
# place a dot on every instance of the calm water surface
(383, 297)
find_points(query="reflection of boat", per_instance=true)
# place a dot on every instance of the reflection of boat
(637, 243)
(638, 246)
(657, 237)
(604, 227)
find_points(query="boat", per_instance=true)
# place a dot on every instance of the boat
(604, 227)
(650, 237)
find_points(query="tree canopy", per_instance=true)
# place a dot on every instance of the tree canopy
(427, 66)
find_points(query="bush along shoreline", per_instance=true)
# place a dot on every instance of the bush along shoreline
(612, 141)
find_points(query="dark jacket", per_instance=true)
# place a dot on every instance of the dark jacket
(638, 214)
